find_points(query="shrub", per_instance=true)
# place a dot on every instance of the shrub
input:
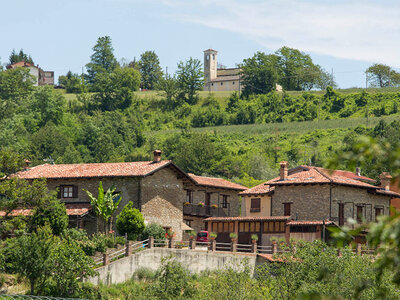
(130, 221)
(144, 273)
(213, 235)
(52, 213)
(192, 234)
(233, 235)
(155, 230)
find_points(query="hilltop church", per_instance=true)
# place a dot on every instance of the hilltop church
(219, 79)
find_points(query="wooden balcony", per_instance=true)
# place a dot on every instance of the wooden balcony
(205, 211)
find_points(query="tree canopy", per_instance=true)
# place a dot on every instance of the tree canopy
(190, 79)
(20, 56)
(380, 75)
(150, 70)
(102, 60)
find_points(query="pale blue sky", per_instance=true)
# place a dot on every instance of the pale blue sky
(346, 35)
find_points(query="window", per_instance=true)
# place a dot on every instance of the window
(214, 227)
(67, 191)
(286, 208)
(189, 196)
(116, 199)
(233, 82)
(188, 223)
(224, 201)
(226, 227)
(274, 227)
(213, 56)
(378, 212)
(255, 205)
(220, 227)
(222, 83)
(359, 213)
(212, 84)
(341, 214)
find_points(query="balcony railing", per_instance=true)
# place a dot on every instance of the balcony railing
(205, 211)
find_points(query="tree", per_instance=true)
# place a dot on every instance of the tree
(21, 56)
(49, 104)
(102, 60)
(70, 265)
(296, 70)
(149, 66)
(155, 230)
(71, 82)
(16, 86)
(380, 75)
(259, 74)
(114, 90)
(31, 256)
(52, 213)
(105, 204)
(190, 79)
(170, 90)
(130, 221)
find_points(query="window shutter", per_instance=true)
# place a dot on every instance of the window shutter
(75, 191)
(59, 192)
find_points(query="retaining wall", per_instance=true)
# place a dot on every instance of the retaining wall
(195, 261)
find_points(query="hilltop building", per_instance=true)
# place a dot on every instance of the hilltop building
(41, 77)
(219, 79)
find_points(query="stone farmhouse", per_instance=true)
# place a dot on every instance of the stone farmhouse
(303, 201)
(41, 77)
(158, 188)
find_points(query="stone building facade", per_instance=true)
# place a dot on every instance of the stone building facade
(158, 188)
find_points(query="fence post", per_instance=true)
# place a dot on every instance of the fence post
(151, 242)
(233, 245)
(274, 247)
(171, 243)
(128, 248)
(294, 247)
(106, 258)
(213, 245)
(358, 249)
(192, 244)
(254, 247)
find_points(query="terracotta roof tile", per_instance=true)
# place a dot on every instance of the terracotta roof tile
(216, 182)
(258, 190)
(318, 222)
(72, 210)
(244, 219)
(125, 169)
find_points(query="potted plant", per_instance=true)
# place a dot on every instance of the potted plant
(186, 203)
(192, 234)
(201, 204)
(233, 236)
(214, 206)
(254, 238)
(273, 239)
(213, 235)
(169, 234)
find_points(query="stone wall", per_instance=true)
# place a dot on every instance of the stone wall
(308, 202)
(195, 261)
(351, 197)
(162, 199)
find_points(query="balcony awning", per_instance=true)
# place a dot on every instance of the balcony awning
(79, 209)
(186, 227)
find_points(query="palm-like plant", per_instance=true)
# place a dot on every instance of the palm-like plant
(105, 204)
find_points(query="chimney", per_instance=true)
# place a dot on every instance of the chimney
(27, 164)
(385, 178)
(358, 171)
(157, 156)
(284, 170)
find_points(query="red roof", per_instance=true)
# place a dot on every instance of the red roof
(317, 175)
(78, 209)
(20, 64)
(126, 169)
(258, 190)
(245, 219)
(216, 182)
(318, 222)
(353, 176)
